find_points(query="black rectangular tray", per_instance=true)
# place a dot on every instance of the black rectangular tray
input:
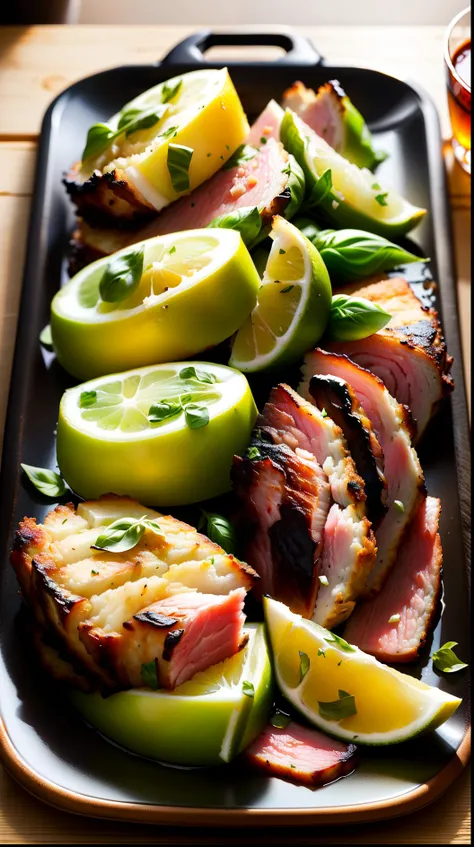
(42, 743)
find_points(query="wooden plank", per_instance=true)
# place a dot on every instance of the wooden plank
(36, 63)
(26, 820)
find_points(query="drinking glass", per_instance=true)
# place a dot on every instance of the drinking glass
(457, 56)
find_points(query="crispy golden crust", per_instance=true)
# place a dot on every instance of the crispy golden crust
(108, 199)
(83, 596)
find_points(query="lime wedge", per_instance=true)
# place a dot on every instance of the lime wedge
(206, 721)
(200, 111)
(165, 435)
(293, 305)
(342, 193)
(195, 289)
(346, 692)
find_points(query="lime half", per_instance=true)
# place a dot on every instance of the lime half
(206, 721)
(346, 692)
(341, 192)
(196, 288)
(164, 435)
(293, 307)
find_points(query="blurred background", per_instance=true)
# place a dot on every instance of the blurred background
(228, 12)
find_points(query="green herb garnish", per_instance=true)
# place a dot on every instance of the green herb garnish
(163, 410)
(353, 318)
(149, 674)
(305, 664)
(344, 645)
(243, 154)
(248, 688)
(178, 161)
(219, 530)
(169, 92)
(122, 276)
(197, 416)
(445, 659)
(87, 399)
(339, 709)
(124, 534)
(381, 199)
(45, 481)
(201, 376)
(253, 453)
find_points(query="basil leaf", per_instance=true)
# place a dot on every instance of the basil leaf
(169, 92)
(351, 254)
(320, 190)
(153, 526)
(98, 139)
(196, 416)
(353, 318)
(344, 645)
(120, 536)
(243, 154)
(149, 674)
(168, 132)
(296, 185)
(178, 161)
(122, 276)
(253, 453)
(45, 481)
(305, 665)
(87, 399)
(163, 410)
(445, 659)
(382, 199)
(46, 339)
(128, 116)
(193, 373)
(144, 120)
(221, 532)
(337, 710)
(248, 688)
(280, 720)
(247, 221)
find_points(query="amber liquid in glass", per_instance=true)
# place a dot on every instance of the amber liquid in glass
(459, 96)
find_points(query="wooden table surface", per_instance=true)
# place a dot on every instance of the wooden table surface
(36, 63)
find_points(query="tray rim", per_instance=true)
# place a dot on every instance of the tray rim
(86, 805)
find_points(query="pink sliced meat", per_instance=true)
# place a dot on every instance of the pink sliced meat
(284, 499)
(267, 125)
(392, 426)
(300, 754)
(393, 626)
(409, 354)
(322, 111)
(348, 541)
(181, 634)
(256, 182)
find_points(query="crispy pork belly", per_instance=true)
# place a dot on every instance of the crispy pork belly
(182, 634)
(267, 125)
(338, 399)
(393, 626)
(322, 111)
(300, 754)
(74, 589)
(108, 198)
(392, 425)
(348, 542)
(285, 498)
(409, 354)
(260, 181)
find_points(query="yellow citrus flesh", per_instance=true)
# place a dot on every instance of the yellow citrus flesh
(293, 304)
(391, 706)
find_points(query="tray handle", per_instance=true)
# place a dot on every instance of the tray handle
(190, 51)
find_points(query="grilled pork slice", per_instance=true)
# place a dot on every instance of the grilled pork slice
(348, 542)
(393, 626)
(259, 181)
(300, 754)
(182, 634)
(392, 425)
(322, 111)
(409, 354)
(338, 399)
(285, 499)
(267, 125)
(72, 587)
